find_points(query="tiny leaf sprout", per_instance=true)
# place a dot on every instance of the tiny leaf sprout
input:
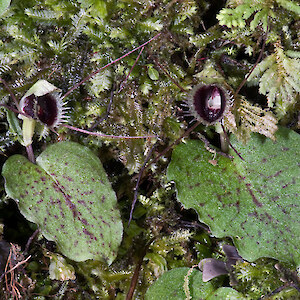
(43, 103)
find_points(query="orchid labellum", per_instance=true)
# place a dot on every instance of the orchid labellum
(208, 103)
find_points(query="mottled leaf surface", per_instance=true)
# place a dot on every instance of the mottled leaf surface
(170, 286)
(255, 201)
(4, 4)
(226, 293)
(69, 196)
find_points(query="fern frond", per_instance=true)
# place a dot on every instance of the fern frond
(150, 25)
(79, 22)
(262, 11)
(252, 118)
(188, 9)
(293, 54)
(4, 68)
(57, 46)
(95, 35)
(289, 5)
(43, 15)
(27, 54)
(100, 82)
(236, 17)
(203, 39)
(19, 81)
(279, 79)
(22, 36)
(261, 18)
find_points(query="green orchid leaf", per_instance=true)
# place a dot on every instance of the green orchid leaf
(226, 293)
(4, 4)
(177, 284)
(152, 73)
(255, 200)
(14, 125)
(171, 286)
(13, 122)
(70, 198)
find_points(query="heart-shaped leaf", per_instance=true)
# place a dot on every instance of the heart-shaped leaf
(69, 196)
(4, 4)
(226, 293)
(255, 200)
(176, 283)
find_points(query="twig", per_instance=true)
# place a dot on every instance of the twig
(228, 140)
(13, 110)
(136, 273)
(30, 154)
(30, 240)
(10, 92)
(16, 266)
(123, 83)
(138, 183)
(107, 135)
(107, 65)
(252, 69)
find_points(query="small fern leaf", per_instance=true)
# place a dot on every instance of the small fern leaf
(261, 18)
(150, 25)
(235, 17)
(252, 118)
(4, 68)
(79, 22)
(279, 80)
(56, 46)
(289, 5)
(100, 82)
(43, 15)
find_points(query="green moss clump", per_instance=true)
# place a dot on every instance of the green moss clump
(63, 41)
(263, 278)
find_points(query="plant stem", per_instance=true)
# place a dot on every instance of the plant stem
(107, 65)
(30, 154)
(107, 135)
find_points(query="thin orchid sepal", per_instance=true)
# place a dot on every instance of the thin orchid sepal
(125, 80)
(11, 93)
(106, 135)
(14, 110)
(107, 65)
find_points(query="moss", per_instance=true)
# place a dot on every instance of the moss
(262, 278)
(63, 41)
